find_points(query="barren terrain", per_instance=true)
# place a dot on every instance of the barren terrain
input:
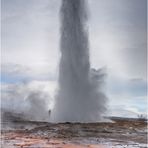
(120, 133)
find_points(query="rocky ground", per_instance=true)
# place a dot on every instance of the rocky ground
(120, 133)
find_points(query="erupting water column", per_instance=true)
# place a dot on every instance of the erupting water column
(78, 98)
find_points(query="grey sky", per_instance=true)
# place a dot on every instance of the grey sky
(117, 34)
(121, 26)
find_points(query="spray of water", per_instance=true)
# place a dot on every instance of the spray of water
(79, 98)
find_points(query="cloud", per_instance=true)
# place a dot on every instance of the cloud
(30, 34)
(17, 73)
(138, 87)
(118, 36)
(135, 87)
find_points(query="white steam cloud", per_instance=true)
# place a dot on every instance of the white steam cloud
(31, 100)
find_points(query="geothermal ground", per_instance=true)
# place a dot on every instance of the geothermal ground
(120, 133)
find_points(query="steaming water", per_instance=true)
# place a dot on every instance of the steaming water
(79, 97)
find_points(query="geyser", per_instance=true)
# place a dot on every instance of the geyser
(79, 98)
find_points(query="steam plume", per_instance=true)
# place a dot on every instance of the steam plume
(80, 97)
(29, 101)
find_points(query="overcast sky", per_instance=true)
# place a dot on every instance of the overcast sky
(118, 42)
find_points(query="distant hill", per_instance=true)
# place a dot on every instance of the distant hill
(124, 113)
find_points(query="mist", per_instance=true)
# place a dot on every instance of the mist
(28, 101)
(80, 97)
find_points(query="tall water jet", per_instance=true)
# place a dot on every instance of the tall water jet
(79, 96)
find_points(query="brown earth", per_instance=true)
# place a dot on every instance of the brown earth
(119, 133)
